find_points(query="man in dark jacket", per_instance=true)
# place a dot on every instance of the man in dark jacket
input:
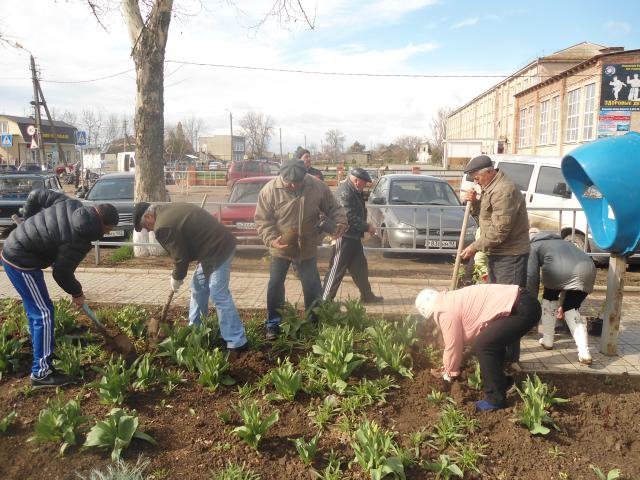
(57, 232)
(347, 252)
(305, 156)
(189, 233)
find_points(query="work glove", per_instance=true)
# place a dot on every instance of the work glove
(175, 284)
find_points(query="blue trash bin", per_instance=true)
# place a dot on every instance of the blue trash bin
(605, 178)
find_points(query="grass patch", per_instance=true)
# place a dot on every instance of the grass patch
(121, 254)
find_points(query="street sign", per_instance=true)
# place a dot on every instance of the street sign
(34, 145)
(81, 137)
(6, 140)
(31, 129)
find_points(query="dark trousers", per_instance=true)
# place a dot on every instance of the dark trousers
(307, 271)
(572, 299)
(489, 345)
(347, 254)
(509, 270)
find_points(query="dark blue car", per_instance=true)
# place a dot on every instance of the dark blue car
(14, 189)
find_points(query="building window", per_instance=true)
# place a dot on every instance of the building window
(573, 115)
(530, 127)
(522, 131)
(555, 115)
(544, 122)
(4, 127)
(589, 112)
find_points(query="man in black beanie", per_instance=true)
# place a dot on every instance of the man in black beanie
(57, 231)
(305, 156)
(287, 215)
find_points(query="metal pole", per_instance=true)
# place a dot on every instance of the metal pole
(231, 130)
(280, 130)
(36, 106)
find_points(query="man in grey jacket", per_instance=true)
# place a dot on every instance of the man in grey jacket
(287, 215)
(565, 269)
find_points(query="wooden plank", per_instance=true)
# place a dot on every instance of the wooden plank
(613, 305)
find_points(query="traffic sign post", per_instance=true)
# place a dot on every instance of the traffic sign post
(81, 137)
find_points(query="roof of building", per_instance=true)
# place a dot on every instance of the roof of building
(120, 145)
(31, 120)
(574, 52)
(576, 68)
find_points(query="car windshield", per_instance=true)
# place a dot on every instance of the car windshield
(19, 185)
(245, 192)
(421, 192)
(112, 189)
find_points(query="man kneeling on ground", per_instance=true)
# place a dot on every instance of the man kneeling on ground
(488, 317)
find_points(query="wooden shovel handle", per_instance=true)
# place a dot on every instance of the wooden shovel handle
(456, 267)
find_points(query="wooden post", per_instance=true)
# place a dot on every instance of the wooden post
(613, 305)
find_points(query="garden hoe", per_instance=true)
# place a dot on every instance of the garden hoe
(119, 343)
(153, 327)
(456, 267)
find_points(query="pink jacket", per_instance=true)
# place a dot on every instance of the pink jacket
(462, 314)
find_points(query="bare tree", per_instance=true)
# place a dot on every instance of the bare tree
(439, 133)
(91, 122)
(407, 148)
(357, 147)
(257, 129)
(112, 129)
(176, 144)
(192, 126)
(334, 144)
(67, 116)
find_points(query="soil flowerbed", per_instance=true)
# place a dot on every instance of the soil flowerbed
(193, 425)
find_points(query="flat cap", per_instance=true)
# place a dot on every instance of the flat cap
(138, 211)
(293, 171)
(360, 173)
(478, 163)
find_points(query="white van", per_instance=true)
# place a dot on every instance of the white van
(541, 181)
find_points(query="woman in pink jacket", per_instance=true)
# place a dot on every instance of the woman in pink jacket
(488, 317)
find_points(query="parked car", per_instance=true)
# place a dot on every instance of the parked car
(5, 168)
(117, 189)
(14, 189)
(239, 218)
(433, 228)
(31, 167)
(250, 168)
(540, 180)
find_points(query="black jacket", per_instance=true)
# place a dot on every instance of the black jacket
(351, 199)
(315, 172)
(57, 232)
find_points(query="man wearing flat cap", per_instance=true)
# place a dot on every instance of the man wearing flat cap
(504, 228)
(288, 212)
(347, 253)
(190, 233)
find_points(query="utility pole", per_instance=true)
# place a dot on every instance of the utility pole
(280, 129)
(124, 146)
(305, 140)
(231, 132)
(36, 107)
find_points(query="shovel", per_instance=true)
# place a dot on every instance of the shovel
(119, 343)
(154, 323)
(456, 267)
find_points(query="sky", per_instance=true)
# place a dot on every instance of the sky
(394, 62)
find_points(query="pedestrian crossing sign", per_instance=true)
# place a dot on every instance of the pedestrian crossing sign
(6, 140)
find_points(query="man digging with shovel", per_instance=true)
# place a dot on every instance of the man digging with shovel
(57, 232)
(189, 233)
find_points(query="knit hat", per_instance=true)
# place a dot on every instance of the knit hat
(425, 302)
(293, 171)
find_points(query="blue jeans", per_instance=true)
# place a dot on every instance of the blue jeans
(217, 287)
(39, 308)
(309, 277)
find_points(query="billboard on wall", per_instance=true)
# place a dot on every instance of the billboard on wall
(613, 122)
(620, 86)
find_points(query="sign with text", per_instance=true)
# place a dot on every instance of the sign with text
(613, 122)
(620, 86)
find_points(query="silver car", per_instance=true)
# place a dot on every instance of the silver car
(417, 211)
